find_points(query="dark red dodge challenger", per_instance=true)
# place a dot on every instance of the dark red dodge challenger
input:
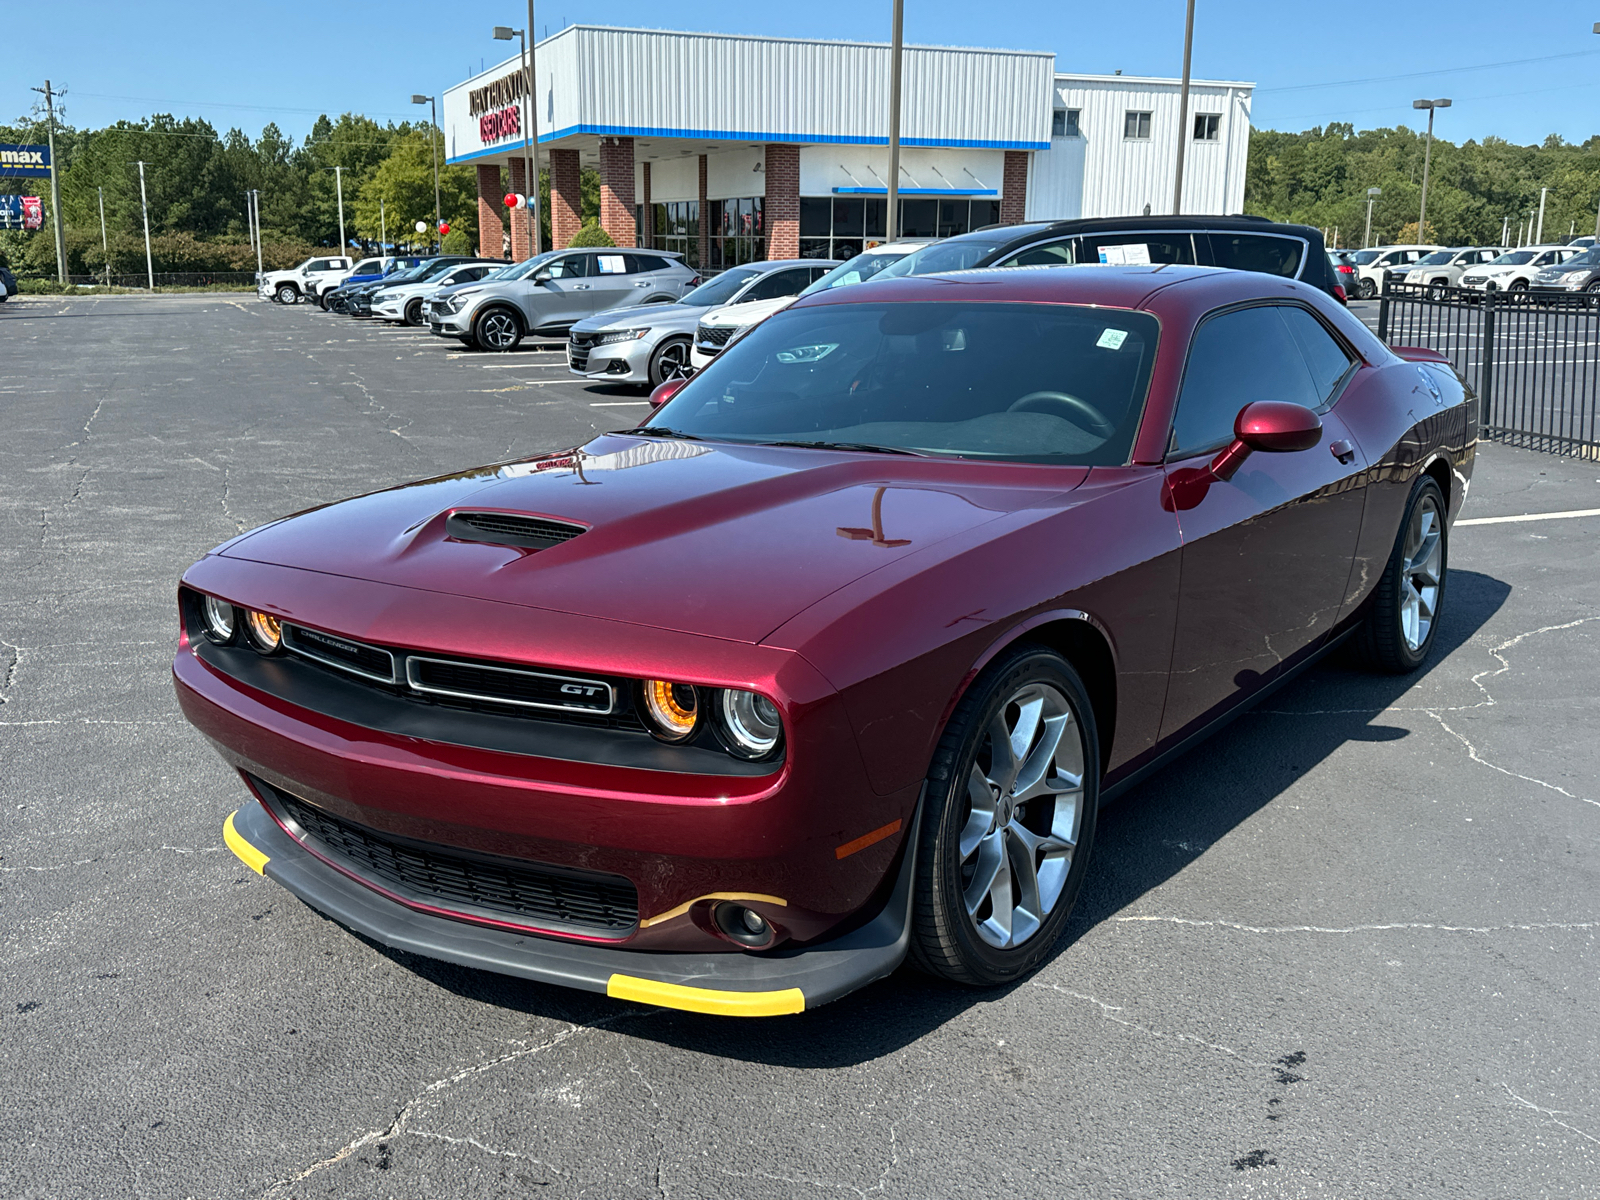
(832, 661)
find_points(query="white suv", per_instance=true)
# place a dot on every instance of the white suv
(1372, 265)
(1514, 270)
(1444, 268)
(306, 280)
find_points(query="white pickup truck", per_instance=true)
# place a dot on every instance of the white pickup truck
(307, 281)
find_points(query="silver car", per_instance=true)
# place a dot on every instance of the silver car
(649, 343)
(403, 301)
(548, 294)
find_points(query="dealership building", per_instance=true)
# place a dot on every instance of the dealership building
(730, 149)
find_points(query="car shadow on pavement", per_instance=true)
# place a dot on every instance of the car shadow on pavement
(1148, 835)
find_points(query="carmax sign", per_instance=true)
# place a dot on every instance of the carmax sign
(24, 160)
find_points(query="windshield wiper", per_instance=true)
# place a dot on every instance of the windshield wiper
(661, 431)
(866, 447)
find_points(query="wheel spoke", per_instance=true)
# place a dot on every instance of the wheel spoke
(1033, 778)
(981, 820)
(1003, 762)
(986, 874)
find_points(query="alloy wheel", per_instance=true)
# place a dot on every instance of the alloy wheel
(1025, 798)
(498, 331)
(672, 361)
(1421, 573)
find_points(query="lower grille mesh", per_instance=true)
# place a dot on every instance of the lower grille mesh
(539, 896)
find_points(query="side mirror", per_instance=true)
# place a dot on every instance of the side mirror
(666, 391)
(540, 278)
(1270, 426)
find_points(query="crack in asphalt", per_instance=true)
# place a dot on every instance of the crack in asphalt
(1529, 927)
(1108, 1011)
(1551, 1113)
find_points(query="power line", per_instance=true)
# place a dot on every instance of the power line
(1354, 112)
(220, 104)
(1510, 62)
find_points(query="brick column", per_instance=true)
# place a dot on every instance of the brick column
(491, 203)
(782, 204)
(705, 219)
(566, 199)
(616, 189)
(647, 228)
(1014, 189)
(521, 243)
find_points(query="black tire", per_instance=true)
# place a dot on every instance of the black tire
(322, 301)
(287, 293)
(497, 329)
(414, 313)
(671, 358)
(1366, 289)
(945, 934)
(1383, 641)
(1518, 285)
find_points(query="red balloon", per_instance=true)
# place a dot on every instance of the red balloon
(444, 228)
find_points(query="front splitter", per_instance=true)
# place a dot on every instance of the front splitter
(732, 984)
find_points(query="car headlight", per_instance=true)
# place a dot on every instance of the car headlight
(672, 709)
(620, 335)
(1574, 276)
(265, 631)
(750, 723)
(219, 620)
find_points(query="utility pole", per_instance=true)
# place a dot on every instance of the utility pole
(1538, 238)
(1427, 156)
(1505, 229)
(105, 244)
(1183, 110)
(55, 182)
(255, 204)
(144, 206)
(530, 173)
(891, 227)
(383, 229)
(536, 232)
(1372, 194)
(338, 183)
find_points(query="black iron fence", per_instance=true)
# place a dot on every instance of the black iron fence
(1532, 357)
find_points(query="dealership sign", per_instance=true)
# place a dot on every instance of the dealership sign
(24, 160)
(498, 125)
(21, 212)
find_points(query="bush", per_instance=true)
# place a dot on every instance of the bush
(592, 235)
(456, 242)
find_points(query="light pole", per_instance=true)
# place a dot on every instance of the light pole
(891, 228)
(1183, 110)
(1427, 155)
(1372, 194)
(434, 143)
(530, 166)
(338, 183)
(105, 244)
(255, 208)
(1505, 229)
(144, 206)
(1538, 238)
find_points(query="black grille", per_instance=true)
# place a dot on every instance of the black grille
(509, 685)
(339, 652)
(510, 529)
(713, 335)
(537, 894)
(578, 347)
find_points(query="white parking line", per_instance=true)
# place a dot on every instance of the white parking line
(629, 403)
(1555, 516)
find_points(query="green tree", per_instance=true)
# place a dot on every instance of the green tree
(404, 183)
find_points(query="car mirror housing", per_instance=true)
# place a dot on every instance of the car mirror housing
(1270, 426)
(666, 391)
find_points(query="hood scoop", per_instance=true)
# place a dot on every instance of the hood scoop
(510, 529)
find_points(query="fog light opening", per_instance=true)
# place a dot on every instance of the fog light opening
(743, 925)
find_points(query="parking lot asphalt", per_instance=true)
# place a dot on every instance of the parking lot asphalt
(1347, 948)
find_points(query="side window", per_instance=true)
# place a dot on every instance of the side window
(319, 264)
(1326, 359)
(573, 266)
(641, 264)
(778, 283)
(609, 264)
(1138, 248)
(1051, 254)
(1257, 252)
(1237, 358)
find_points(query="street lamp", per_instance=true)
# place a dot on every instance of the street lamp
(1183, 110)
(1372, 194)
(434, 142)
(504, 33)
(1427, 155)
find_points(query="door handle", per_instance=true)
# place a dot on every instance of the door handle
(580, 287)
(642, 283)
(1343, 451)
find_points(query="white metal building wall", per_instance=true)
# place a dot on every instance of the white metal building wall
(1100, 173)
(632, 82)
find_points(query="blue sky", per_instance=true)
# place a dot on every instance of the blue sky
(246, 65)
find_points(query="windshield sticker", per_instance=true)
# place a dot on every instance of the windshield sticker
(1130, 255)
(806, 354)
(1112, 339)
(613, 264)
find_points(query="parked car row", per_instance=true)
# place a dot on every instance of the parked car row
(1560, 268)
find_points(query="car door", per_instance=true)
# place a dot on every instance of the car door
(1266, 554)
(559, 294)
(610, 281)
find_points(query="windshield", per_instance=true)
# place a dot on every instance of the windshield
(719, 289)
(858, 270)
(1362, 257)
(955, 255)
(525, 268)
(1044, 383)
(1590, 258)
(1515, 258)
(1437, 259)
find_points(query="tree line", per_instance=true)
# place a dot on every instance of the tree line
(196, 180)
(1476, 191)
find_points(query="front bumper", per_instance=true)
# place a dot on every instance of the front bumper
(615, 362)
(747, 984)
(447, 324)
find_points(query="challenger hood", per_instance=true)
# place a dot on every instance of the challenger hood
(705, 538)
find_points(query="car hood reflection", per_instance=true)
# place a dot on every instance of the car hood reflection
(698, 537)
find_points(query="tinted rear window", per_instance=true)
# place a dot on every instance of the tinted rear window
(1266, 253)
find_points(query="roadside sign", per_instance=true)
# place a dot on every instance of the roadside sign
(21, 212)
(32, 161)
